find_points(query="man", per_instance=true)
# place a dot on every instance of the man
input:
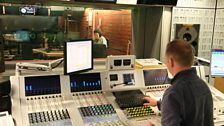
(99, 38)
(188, 101)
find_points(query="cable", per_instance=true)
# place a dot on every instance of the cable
(124, 83)
(216, 5)
(57, 64)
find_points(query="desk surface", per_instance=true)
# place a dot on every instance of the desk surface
(50, 53)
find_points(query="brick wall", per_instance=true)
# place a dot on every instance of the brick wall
(115, 25)
(84, 25)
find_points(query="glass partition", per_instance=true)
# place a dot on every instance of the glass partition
(40, 34)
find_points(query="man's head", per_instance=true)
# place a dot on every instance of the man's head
(97, 34)
(179, 56)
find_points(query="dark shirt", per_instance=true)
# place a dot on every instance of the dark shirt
(187, 102)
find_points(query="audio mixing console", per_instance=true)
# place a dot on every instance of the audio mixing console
(88, 99)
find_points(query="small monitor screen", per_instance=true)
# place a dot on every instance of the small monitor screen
(127, 62)
(217, 62)
(22, 36)
(117, 62)
(113, 77)
(78, 56)
(155, 77)
(128, 78)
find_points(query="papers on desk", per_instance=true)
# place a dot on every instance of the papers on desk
(6, 119)
(141, 63)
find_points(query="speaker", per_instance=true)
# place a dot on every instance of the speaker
(1, 10)
(2, 62)
(5, 86)
(5, 104)
(27, 51)
(189, 33)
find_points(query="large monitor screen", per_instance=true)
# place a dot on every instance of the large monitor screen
(217, 62)
(78, 56)
(85, 82)
(42, 85)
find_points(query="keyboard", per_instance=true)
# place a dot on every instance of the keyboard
(127, 102)
(131, 98)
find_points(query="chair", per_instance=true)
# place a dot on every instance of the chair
(108, 42)
(99, 51)
(128, 50)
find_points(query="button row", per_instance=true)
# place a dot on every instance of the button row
(87, 93)
(44, 97)
(158, 87)
(97, 110)
(139, 111)
(48, 116)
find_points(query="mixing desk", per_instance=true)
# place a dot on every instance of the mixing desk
(88, 99)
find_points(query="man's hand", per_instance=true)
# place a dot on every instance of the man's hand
(151, 101)
(150, 124)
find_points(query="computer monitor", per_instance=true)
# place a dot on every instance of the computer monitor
(78, 56)
(22, 36)
(217, 62)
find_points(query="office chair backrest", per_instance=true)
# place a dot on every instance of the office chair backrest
(108, 43)
(99, 51)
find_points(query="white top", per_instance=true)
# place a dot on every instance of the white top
(104, 40)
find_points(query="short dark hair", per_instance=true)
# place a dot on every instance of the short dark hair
(98, 31)
(182, 52)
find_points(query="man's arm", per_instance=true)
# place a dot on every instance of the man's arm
(171, 110)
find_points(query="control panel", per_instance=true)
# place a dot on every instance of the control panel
(121, 79)
(94, 98)
(104, 114)
(121, 62)
(56, 117)
(95, 108)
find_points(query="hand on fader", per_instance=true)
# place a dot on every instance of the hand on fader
(150, 101)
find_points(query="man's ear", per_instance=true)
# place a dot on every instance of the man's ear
(171, 60)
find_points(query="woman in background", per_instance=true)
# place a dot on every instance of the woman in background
(99, 38)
